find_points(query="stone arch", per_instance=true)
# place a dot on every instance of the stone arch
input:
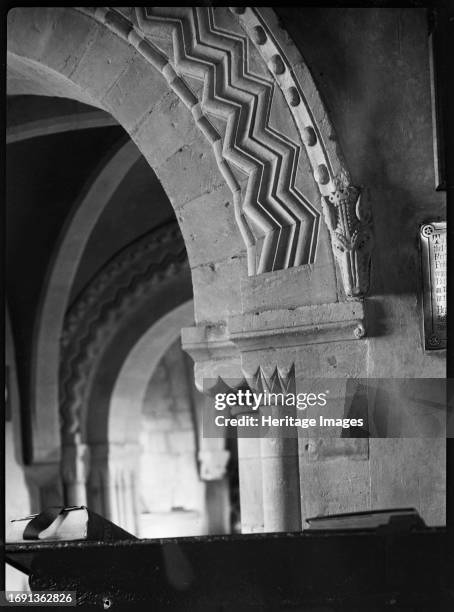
(57, 125)
(224, 101)
(55, 296)
(170, 141)
(256, 161)
(114, 461)
(16, 492)
(13, 399)
(134, 290)
(131, 384)
(123, 286)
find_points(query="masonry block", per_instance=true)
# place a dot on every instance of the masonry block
(162, 132)
(209, 227)
(217, 288)
(135, 93)
(190, 172)
(103, 62)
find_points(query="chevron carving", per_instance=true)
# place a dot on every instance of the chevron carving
(121, 286)
(277, 222)
(273, 206)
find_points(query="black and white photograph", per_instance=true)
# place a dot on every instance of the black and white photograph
(226, 308)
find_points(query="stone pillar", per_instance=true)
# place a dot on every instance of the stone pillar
(112, 484)
(279, 350)
(268, 468)
(213, 459)
(280, 482)
(217, 504)
(251, 485)
(281, 503)
(279, 462)
(75, 465)
(44, 485)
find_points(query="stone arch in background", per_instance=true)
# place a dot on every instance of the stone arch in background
(56, 294)
(130, 293)
(131, 384)
(114, 461)
(13, 415)
(56, 125)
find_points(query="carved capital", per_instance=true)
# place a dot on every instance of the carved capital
(237, 355)
(282, 328)
(216, 358)
(350, 225)
(213, 463)
(278, 381)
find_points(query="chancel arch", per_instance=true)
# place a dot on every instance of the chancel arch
(250, 175)
(277, 233)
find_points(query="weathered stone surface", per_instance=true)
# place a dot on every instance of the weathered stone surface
(102, 63)
(165, 130)
(311, 284)
(333, 487)
(195, 166)
(411, 473)
(60, 36)
(302, 326)
(325, 449)
(135, 93)
(206, 239)
(28, 78)
(218, 292)
(250, 475)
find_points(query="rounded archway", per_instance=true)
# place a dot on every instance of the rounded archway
(226, 112)
(170, 139)
(56, 294)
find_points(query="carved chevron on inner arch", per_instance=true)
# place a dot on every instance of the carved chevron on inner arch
(281, 214)
(124, 284)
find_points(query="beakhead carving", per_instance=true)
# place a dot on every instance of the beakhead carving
(350, 226)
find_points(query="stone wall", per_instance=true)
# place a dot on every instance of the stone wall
(372, 67)
(170, 487)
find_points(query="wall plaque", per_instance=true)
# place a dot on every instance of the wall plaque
(433, 253)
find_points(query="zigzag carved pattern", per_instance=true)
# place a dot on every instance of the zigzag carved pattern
(119, 288)
(283, 215)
